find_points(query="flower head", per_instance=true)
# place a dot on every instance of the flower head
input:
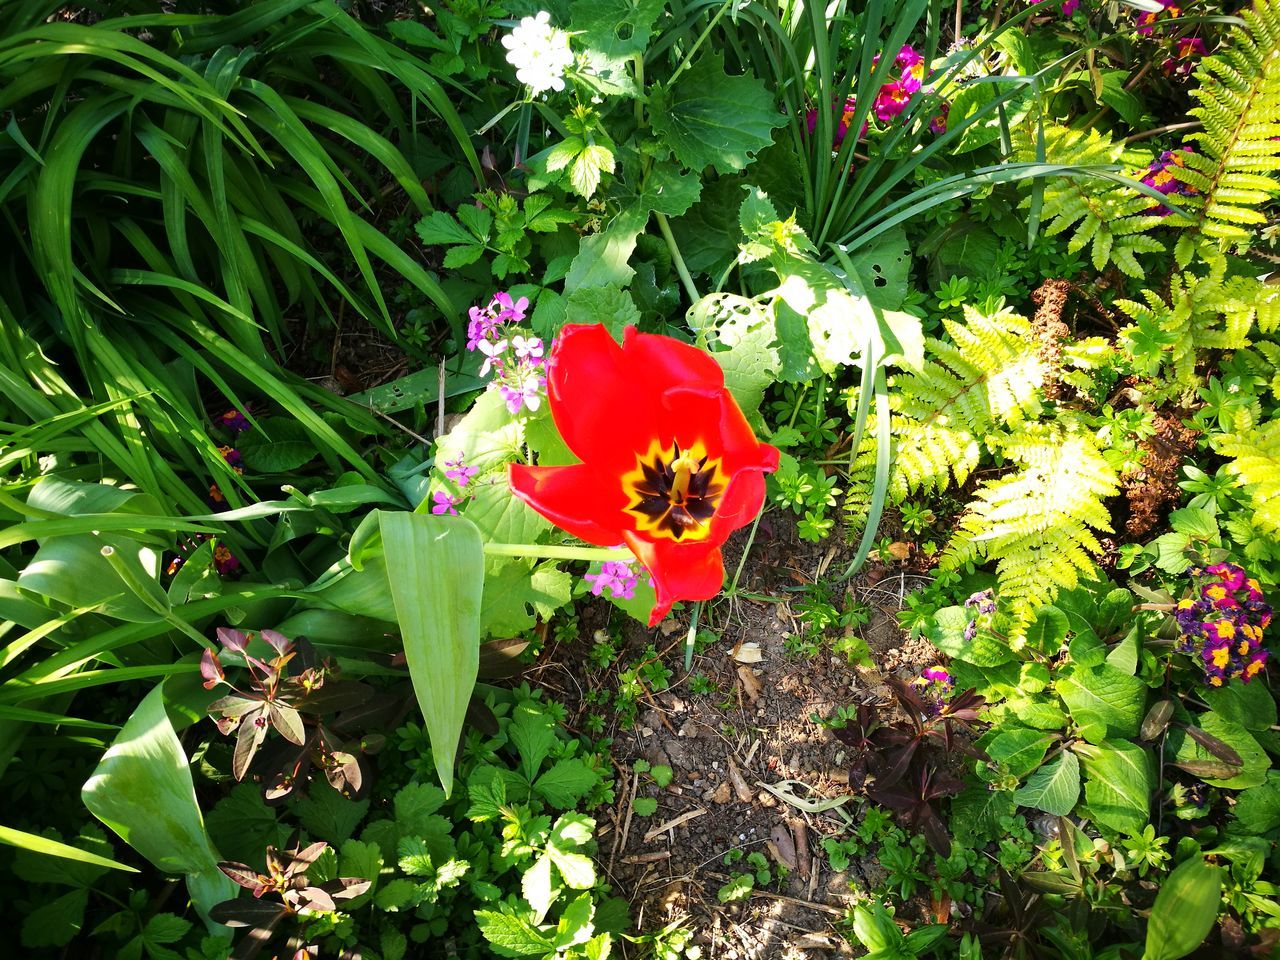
(938, 125)
(892, 100)
(233, 459)
(457, 471)
(935, 685)
(1161, 176)
(506, 310)
(444, 503)
(617, 577)
(670, 465)
(224, 561)
(539, 52)
(1222, 624)
(233, 420)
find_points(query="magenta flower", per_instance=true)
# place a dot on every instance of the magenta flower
(507, 311)
(444, 503)
(457, 471)
(1222, 624)
(525, 392)
(617, 577)
(891, 101)
(938, 124)
(234, 420)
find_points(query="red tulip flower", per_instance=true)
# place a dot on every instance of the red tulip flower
(670, 466)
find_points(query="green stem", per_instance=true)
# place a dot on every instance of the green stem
(552, 552)
(678, 260)
(688, 57)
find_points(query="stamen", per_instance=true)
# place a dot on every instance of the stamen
(674, 492)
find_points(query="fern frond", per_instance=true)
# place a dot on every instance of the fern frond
(1109, 220)
(1232, 172)
(1255, 459)
(1202, 313)
(1038, 522)
(987, 378)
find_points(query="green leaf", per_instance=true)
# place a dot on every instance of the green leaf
(669, 190)
(1103, 701)
(39, 848)
(1258, 808)
(1118, 786)
(882, 267)
(358, 858)
(538, 887)
(414, 803)
(166, 928)
(1048, 632)
(512, 587)
(55, 923)
(241, 825)
(436, 570)
(711, 119)
(602, 257)
(617, 28)
(1054, 788)
(1185, 910)
(644, 806)
(739, 888)
(566, 783)
(1248, 704)
(587, 168)
(946, 632)
(574, 925)
(1020, 750)
(1187, 750)
(281, 445)
(440, 228)
(532, 732)
(142, 789)
(610, 305)
(327, 814)
(976, 813)
(512, 936)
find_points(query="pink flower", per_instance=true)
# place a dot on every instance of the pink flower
(617, 577)
(938, 124)
(457, 471)
(444, 503)
(891, 101)
(506, 310)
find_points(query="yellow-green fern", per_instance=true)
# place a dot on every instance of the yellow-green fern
(1238, 151)
(1037, 523)
(1109, 219)
(1255, 459)
(988, 378)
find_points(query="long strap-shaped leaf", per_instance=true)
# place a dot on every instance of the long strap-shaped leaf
(435, 566)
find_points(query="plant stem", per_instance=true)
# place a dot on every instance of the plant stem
(693, 633)
(678, 260)
(552, 552)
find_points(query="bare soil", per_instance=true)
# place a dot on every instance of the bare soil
(756, 731)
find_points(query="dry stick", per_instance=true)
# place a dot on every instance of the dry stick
(620, 841)
(673, 823)
(440, 400)
(648, 857)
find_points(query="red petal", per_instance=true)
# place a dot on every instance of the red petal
(594, 400)
(742, 500)
(680, 571)
(575, 498)
(663, 363)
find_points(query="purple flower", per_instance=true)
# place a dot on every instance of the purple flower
(938, 125)
(617, 577)
(444, 503)
(492, 355)
(482, 324)
(506, 310)
(457, 471)
(983, 600)
(234, 420)
(526, 392)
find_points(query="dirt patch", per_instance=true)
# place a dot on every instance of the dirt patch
(758, 729)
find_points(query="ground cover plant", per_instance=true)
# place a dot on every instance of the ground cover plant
(637, 478)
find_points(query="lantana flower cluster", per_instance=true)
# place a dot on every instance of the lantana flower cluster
(1222, 624)
(516, 357)
(890, 101)
(1160, 177)
(539, 52)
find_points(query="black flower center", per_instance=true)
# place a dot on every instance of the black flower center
(674, 492)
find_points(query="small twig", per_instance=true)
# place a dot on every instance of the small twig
(807, 904)
(673, 823)
(440, 400)
(651, 857)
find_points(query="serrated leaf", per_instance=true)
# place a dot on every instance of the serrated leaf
(711, 119)
(512, 936)
(566, 783)
(616, 28)
(536, 886)
(55, 923)
(588, 166)
(440, 228)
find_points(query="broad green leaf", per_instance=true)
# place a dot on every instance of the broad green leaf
(281, 445)
(669, 191)
(1258, 808)
(1103, 701)
(610, 305)
(617, 28)
(602, 257)
(1185, 910)
(946, 632)
(1054, 788)
(1020, 750)
(1118, 786)
(512, 936)
(976, 813)
(1187, 750)
(55, 924)
(537, 887)
(1250, 705)
(142, 789)
(436, 571)
(711, 119)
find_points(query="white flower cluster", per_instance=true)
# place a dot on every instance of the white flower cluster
(539, 52)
